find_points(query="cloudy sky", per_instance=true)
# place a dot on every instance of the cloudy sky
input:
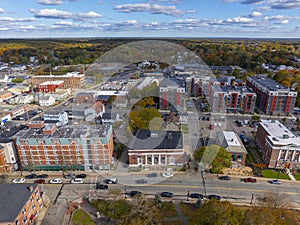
(149, 18)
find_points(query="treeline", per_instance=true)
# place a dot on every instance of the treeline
(248, 54)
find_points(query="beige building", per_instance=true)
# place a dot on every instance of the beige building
(280, 147)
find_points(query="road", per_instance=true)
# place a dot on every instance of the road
(234, 190)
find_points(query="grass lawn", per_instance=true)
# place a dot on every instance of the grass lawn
(80, 217)
(297, 176)
(168, 209)
(189, 210)
(274, 174)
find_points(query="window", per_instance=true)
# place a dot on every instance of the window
(77, 152)
(78, 161)
(56, 161)
(139, 161)
(172, 160)
(47, 161)
(55, 157)
(163, 160)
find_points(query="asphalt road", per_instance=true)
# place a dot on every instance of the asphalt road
(234, 190)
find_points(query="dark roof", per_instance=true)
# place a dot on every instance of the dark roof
(108, 116)
(12, 132)
(12, 200)
(268, 83)
(157, 139)
(103, 97)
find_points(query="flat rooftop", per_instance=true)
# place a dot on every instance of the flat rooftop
(279, 134)
(230, 141)
(67, 131)
(268, 83)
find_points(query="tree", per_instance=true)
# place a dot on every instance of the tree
(215, 156)
(284, 120)
(216, 212)
(298, 123)
(255, 118)
(144, 212)
(144, 117)
(18, 80)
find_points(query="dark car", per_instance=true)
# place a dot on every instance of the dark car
(81, 176)
(152, 175)
(109, 181)
(224, 178)
(39, 181)
(43, 176)
(69, 176)
(249, 180)
(217, 197)
(196, 195)
(166, 194)
(31, 176)
(101, 186)
(134, 193)
(141, 181)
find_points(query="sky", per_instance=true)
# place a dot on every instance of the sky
(150, 18)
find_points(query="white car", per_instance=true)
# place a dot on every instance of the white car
(18, 180)
(77, 181)
(168, 174)
(55, 181)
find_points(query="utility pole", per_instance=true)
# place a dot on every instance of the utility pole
(203, 182)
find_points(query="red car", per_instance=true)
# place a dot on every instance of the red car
(250, 180)
(39, 181)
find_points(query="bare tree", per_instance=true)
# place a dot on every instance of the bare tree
(274, 200)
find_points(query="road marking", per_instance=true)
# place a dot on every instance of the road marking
(224, 188)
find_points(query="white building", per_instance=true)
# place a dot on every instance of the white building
(46, 101)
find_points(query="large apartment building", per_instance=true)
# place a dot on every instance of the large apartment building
(71, 80)
(47, 147)
(232, 99)
(172, 95)
(272, 97)
(280, 147)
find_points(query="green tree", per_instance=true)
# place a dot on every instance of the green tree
(18, 80)
(215, 156)
(216, 212)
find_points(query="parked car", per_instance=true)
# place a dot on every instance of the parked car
(80, 175)
(39, 181)
(111, 181)
(250, 180)
(31, 176)
(224, 177)
(55, 181)
(151, 175)
(77, 181)
(167, 174)
(69, 176)
(217, 197)
(275, 182)
(196, 195)
(101, 186)
(166, 194)
(141, 181)
(18, 180)
(134, 193)
(43, 176)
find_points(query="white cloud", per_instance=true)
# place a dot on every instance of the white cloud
(59, 14)
(50, 2)
(64, 23)
(2, 10)
(284, 4)
(191, 11)
(264, 8)
(10, 19)
(153, 9)
(239, 20)
(256, 14)
(284, 22)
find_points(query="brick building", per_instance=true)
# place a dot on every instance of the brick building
(46, 147)
(20, 204)
(279, 146)
(51, 86)
(156, 148)
(272, 97)
(8, 155)
(72, 80)
(232, 99)
(4, 95)
(172, 95)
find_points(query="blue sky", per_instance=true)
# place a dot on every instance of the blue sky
(152, 18)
